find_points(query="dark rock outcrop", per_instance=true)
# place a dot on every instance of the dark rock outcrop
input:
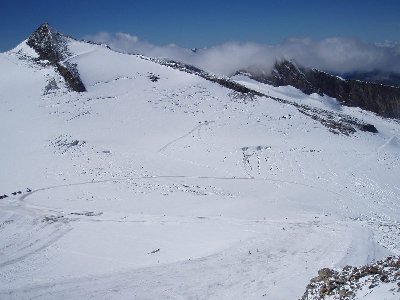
(225, 82)
(52, 46)
(381, 99)
(346, 283)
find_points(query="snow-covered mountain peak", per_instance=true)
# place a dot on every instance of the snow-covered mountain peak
(52, 46)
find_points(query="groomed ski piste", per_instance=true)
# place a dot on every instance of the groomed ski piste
(159, 184)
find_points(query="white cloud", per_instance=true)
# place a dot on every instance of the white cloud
(339, 55)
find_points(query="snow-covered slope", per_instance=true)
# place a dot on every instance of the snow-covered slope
(157, 183)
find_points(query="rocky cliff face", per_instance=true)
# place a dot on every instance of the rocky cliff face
(52, 46)
(335, 122)
(381, 99)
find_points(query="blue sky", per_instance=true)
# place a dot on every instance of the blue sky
(204, 23)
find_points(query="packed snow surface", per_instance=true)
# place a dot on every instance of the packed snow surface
(158, 184)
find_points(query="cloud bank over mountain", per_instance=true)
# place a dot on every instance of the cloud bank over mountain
(338, 55)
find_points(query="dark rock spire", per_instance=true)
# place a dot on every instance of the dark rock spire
(52, 46)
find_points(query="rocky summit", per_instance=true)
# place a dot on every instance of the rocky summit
(51, 46)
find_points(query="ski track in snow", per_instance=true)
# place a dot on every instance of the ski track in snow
(198, 127)
(237, 272)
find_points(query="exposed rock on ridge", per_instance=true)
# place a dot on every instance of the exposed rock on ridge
(381, 99)
(52, 46)
(335, 122)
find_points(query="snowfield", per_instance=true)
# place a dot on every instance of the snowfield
(159, 184)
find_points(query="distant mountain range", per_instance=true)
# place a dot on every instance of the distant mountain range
(380, 77)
